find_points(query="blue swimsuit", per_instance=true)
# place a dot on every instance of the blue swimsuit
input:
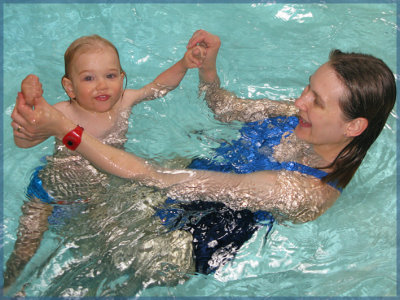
(219, 231)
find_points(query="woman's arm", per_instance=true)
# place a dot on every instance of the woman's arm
(226, 105)
(300, 198)
(288, 195)
(46, 120)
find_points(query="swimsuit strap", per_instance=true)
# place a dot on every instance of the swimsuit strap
(294, 166)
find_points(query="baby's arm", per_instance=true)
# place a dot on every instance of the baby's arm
(31, 88)
(169, 79)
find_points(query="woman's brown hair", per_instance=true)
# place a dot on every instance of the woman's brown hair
(371, 94)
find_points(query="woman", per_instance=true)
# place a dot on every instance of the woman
(340, 114)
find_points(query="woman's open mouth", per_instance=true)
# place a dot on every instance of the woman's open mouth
(303, 123)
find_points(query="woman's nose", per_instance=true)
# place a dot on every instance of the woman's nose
(304, 99)
(300, 102)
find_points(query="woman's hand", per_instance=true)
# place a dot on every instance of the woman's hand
(212, 43)
(37, 120)
(33, 118)
(194, 57)
(205, 39)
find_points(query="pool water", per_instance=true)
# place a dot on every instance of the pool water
(268, 51)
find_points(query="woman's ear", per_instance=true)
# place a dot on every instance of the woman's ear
(68, 87)
(356, 127)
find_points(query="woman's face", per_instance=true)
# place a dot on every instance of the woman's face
(321, 121)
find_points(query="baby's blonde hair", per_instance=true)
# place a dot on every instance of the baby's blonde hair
(86, 42)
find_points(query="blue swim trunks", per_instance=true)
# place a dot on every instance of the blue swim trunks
(35, 188)
(61, 210)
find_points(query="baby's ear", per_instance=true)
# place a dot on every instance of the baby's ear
(68, 87)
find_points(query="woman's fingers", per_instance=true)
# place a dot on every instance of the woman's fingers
(205, 39)
(200, 36)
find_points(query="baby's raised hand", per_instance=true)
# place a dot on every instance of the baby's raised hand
(31, 88)
(195, 56)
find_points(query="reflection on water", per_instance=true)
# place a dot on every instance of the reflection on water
(118, 247)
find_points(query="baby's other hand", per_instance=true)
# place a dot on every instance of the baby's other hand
(31, 88)
(195, 56)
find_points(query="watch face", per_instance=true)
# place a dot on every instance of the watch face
(71, 141)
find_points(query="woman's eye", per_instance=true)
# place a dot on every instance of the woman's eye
(318, 102)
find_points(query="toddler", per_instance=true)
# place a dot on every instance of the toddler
(94, 82)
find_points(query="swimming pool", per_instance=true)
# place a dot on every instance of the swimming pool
(268, 50)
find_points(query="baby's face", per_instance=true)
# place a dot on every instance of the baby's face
(96, 79)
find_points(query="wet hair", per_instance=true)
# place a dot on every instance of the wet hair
(371, 94)
(86, 43)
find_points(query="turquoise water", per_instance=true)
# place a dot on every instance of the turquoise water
(268, 51)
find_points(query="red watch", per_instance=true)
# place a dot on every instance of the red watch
(73, 138)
